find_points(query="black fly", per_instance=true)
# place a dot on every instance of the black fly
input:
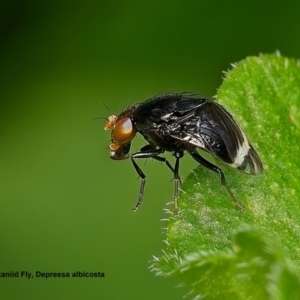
(178, 122)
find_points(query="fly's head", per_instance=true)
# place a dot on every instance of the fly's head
(123, 131)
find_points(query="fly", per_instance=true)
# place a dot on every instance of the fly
(179, 122)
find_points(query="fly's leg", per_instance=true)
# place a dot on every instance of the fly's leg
(150, 149)
(177, 180)
(142, 186)
(163, 159)
(146, 152)
(216, 169)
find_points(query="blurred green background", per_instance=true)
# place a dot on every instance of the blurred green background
(65, 206)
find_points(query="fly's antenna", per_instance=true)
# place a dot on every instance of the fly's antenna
(100, 118)
(107, 119)
(107, 108)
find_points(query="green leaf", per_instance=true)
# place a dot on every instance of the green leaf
(263, 95)
(254, 270)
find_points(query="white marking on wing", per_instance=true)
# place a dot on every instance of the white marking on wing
(243, 151)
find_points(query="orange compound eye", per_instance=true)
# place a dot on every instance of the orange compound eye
(123, 131)
(111, 122)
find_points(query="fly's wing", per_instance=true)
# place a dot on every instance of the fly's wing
(211, 128)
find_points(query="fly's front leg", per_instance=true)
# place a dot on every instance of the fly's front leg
(143, 182)
(216, 169)
(146, 152)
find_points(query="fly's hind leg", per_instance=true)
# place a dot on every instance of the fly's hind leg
(216, 169)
